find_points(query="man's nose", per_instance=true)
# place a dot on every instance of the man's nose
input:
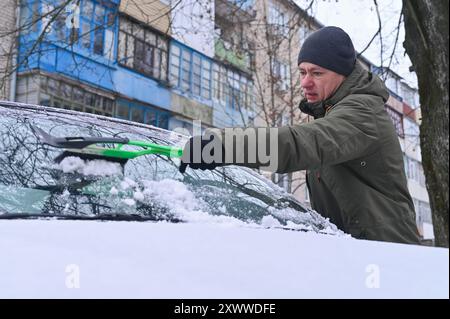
(306, 81)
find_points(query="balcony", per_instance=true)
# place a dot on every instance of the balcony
(225, 52)
(395, 95)
(235, 10)
(409, 111)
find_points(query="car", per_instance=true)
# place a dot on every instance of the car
(37, 181)
(78, 226)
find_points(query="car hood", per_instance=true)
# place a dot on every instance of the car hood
(78, 259)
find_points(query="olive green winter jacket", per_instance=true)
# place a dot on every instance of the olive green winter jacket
(355, 165)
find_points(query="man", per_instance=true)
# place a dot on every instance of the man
(351, 151)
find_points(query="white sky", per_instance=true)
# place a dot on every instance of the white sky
(359, 19)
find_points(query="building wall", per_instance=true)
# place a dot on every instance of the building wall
(7, 45)
(124, 70)
(408, 133)
(285, 44)
(192, 109)
(191, 49)
(415, 175)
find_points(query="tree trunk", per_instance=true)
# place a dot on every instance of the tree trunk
(426, 42)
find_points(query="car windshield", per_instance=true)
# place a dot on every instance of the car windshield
(150, 187)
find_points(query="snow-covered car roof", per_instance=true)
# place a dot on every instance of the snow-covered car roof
(149, 187)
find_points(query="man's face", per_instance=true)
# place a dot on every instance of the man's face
(318, 83)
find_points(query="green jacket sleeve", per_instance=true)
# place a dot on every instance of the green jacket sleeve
(347, 132)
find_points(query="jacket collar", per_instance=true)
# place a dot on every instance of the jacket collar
(316, 110)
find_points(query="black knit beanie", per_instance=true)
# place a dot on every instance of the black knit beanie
(330, 48)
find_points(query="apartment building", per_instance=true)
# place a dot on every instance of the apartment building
(404, 109)
(149, 62)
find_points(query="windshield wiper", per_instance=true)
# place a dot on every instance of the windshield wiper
(100, 217)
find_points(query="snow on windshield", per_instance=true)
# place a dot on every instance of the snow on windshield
(179, 199)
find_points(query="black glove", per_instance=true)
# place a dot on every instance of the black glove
(199, 153)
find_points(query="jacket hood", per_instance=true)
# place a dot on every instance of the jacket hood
(360, 81)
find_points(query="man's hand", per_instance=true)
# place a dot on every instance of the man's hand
(201, 152)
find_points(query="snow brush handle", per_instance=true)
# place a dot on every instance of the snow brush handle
(86, 145)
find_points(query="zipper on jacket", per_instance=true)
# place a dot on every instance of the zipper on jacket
(318, 175)
(328, 108)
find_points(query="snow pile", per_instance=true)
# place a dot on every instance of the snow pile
(181, 201)
(186, 206)
(167, 198)
(307, 221)
(72, 164)
(270, 221)
(177, 196)
(129, 201)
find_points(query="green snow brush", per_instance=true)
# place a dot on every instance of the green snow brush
(86, 148)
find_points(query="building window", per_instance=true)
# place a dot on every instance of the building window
(392, 84)
(303, 33)
(67, 96)
(196, 74)
(97, 21)
(412, 132)
(31, 19)
(423, 211)
(231, 88)
(175, 58)
(406, 165)
(414, 170)
(397, 120)
(206, 79)
(88, 24)
(243, 4)
(277, 20)
(282, 75)
(131, 111)
(409, 95)
(142, 49)
(190, 71)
